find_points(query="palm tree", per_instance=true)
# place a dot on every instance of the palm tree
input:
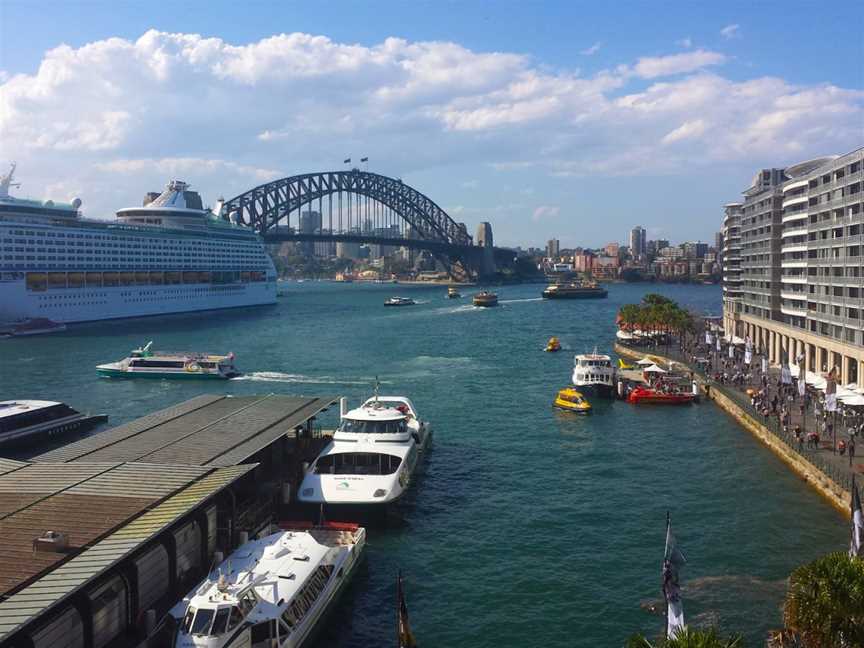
(825, 603)
(689, 638)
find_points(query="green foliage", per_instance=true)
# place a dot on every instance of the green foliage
(825, 603)
(656, 313)
(689, 638)
(653, 299)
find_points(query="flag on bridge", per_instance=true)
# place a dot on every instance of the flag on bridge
(855, 548)
(348, 161)
(673, 560)
(366, 159)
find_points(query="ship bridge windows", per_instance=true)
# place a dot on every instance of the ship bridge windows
(357, 463)
(398, 426)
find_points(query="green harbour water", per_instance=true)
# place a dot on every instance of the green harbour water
(529, 526)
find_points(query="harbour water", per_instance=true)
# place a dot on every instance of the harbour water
(529, 526)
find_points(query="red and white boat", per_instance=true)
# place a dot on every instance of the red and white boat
(646, 395)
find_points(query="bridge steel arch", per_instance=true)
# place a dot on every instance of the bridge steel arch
(263, 207)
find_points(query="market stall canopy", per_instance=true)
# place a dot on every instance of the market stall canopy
(654, 369)
(645, 362)
(734, 339)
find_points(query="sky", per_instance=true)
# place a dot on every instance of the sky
(571, 120)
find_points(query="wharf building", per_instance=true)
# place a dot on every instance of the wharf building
(798, 290)
(102, 536)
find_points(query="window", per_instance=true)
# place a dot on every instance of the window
(201, 624)
(373, 427)
(357, 463)
(220, 623)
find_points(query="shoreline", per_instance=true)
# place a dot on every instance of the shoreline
(836, 495)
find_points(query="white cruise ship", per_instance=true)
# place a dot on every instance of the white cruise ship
(169, 256)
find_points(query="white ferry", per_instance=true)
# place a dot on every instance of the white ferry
(169, 256)
(271, 592)
(144, 363)
(26, 420)
(594, 372)
(372, 458)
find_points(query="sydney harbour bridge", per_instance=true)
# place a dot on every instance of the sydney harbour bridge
(360, 207)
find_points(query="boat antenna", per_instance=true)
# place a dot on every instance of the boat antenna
(375, 392)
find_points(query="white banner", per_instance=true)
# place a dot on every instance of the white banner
(748, 356)
(731, 351)
(831, 402)
(764, 365)
(802, 386)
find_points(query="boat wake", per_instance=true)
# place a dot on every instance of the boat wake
(278, 376)
(519, 301)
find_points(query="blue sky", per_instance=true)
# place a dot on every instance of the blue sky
(575, 120)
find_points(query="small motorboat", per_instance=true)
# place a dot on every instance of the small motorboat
(553, 345)
(485, 299)
(571, 400)
(453, 293)
(642, 395)
(31, 326)
(400, 301)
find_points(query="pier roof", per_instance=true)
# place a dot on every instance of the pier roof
(208, 430)
(183, 489)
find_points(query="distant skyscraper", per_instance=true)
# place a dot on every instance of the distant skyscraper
(484, 235)
(553, 248)
(637, 241)
(310, 223)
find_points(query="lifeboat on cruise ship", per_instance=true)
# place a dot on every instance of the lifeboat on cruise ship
(647, 396)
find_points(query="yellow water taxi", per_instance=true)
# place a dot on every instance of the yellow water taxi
(625, 365)
(552, 345)
(572, 401)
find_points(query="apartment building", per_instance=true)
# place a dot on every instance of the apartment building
(802, 266)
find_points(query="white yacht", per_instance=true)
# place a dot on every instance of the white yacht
(170, 255)
(271, 592)
(25, 419)
(594, 372)
(372, 458)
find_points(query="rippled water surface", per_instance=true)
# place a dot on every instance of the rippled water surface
(530, 527)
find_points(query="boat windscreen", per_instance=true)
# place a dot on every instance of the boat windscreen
(398, 426)
(202, 621)
(357, 463)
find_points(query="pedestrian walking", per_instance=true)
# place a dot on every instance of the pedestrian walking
(851, 450)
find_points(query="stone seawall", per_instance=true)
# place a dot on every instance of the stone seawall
(824, 485)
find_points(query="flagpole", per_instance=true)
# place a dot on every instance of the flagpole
(665, 598)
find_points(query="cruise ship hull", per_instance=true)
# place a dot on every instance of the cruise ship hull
(70, 305)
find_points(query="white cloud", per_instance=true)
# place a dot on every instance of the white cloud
(545, 211)
(658, 66)
(685, 42)
(731, 31)
(115, 118)
(592, 50)
(687, 130)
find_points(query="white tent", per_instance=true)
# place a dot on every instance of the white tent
(734, 339)
(653, 369)
(624, 335)
(645, 362)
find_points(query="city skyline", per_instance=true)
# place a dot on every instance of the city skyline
(530, 133)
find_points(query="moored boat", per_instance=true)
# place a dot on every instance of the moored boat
(574, 290)
(28, 420)
(400, 301)
(271, 592)
(594, 373)
(485, 299)
(31, 326)
(453, 293)
(371, 460)
(641, 395)
(145, 363)
(571, 400)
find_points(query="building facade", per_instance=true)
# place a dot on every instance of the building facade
(731, 264)
(802, 246)
(637, 241)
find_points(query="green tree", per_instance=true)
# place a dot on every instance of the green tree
(653, 299)
(688, 638)
(824, 605)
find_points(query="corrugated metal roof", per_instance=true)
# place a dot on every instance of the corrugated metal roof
(80, 448)
(51, 589)
(218, 430)
(8, 465)
(83, 500)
